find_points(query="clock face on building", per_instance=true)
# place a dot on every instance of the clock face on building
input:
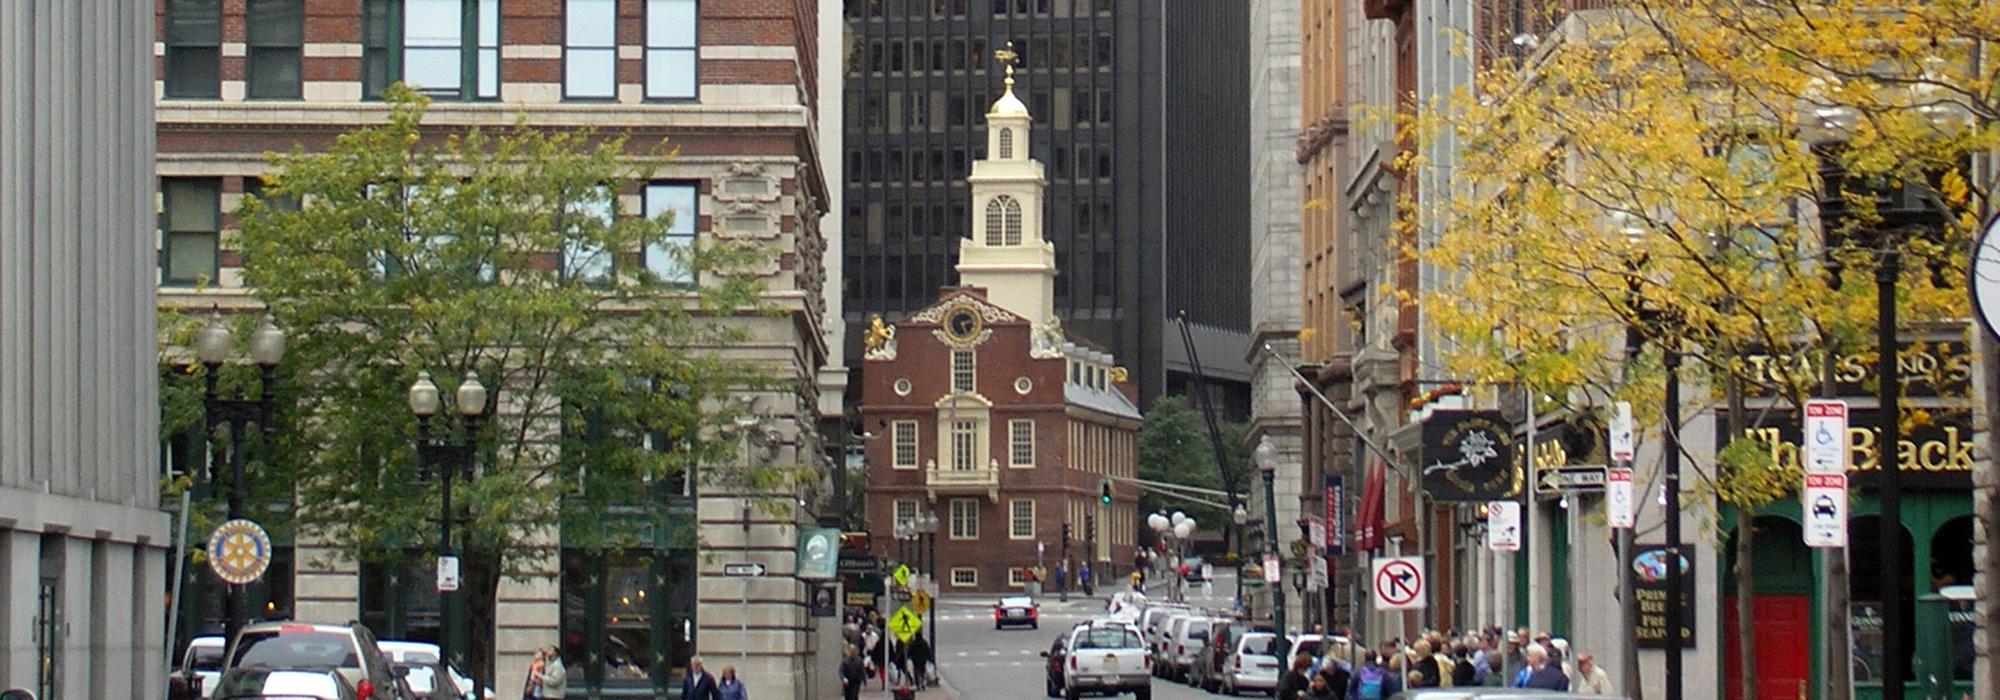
(962, 324)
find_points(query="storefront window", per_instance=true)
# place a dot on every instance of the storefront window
(628, 617)
(399, 598)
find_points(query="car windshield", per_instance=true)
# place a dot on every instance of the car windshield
(205, 658)
(1309, 647)
(1107, 638)
(1016, 602)
(273, 649)
(419, 677)
(266, 683)
(1257, 644)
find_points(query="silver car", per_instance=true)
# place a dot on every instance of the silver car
(1252, 666)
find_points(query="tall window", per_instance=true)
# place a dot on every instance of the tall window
(1021, 443)
(275, 30)
(965, 444)
(904, 436)
(965, 518)
(1006, 144)
(590, 49)
(194, 49)
(963, 371)
(191, 226)
(906, 510)
(427, 43)
(1003, 219)
(1021, 519)
(670, 48)
(667, 258)
(584, 255)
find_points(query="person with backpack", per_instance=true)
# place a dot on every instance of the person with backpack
(1373, 681)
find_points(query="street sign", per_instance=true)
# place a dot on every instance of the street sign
(1574, 478)
(747, 569)
(1273, 571)
(1503, 526)
(901, 575)
(920, 602)
(1984, 282)
(1826, 510)
(904, 624)
(1623, 443)
(239, 551)
(818, 553)
(1618, 497)
(1399, 583)
(447, 578)
(1825, 437)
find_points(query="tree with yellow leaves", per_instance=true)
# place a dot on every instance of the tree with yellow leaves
(1656, 167)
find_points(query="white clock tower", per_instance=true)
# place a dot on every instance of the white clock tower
(1006, 253)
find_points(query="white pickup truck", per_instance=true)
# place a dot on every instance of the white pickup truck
(1107, 656)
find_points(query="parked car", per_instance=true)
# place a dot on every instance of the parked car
(423, 680)
(1052, 665)
(349, 649)
(1151, 621)
(1253, 665)
(1017, 610)
(405, 653)
(201, 664)
(1189, 635)
(245, 682)
(1159, 643)
(1109, 657)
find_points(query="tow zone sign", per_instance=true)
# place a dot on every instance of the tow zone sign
(1399, 583)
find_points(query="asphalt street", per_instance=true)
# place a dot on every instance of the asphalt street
(982, 663)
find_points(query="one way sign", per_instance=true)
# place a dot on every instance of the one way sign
(1399, 583)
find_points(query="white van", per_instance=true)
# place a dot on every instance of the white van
(1185, 642)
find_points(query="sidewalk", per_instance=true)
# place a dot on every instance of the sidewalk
(874, 691)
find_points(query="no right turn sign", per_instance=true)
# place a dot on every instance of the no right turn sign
(1399, 583)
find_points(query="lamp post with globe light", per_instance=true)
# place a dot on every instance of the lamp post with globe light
(1267, 463)
(213, 345)
(445, 456)
(926, 529)
(1241, 517)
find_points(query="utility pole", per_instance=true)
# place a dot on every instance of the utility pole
(1671, 484)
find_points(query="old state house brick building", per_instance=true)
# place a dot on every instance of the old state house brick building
(987, 414)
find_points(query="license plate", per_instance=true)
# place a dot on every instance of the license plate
(1110, 663)
(1016, 614)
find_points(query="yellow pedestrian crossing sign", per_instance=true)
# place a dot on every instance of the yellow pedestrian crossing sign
(901, 575)
(904, 624)
(920, 602)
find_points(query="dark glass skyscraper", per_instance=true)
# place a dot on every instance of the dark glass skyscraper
(1136, 239)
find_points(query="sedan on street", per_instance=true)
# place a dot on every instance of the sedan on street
(1016, 610)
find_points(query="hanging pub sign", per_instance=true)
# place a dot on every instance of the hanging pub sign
(1933, 454)
(1649, 585)
(1468, 456)
(1335, 498)
(1936, 367)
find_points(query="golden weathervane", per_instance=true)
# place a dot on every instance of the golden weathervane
(1007, 57)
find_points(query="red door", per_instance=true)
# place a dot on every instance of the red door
(1784, 644)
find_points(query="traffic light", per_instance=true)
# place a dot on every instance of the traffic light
(1090, 525)
(1104, 492)
(1065, 535)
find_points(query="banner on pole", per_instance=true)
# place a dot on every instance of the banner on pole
(1618, 497)
(1335, 498)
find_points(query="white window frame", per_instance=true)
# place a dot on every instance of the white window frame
(1016, 577)
(964, 577)
(574, 47)
(1014, 516)
(965, 444)
(970, 531)
(899, 515)
(1020, 444)
(898, 430)
(965, 366)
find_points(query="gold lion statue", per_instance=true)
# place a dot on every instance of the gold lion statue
(879, 333)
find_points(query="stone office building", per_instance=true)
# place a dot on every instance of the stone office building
(733, 84)
(987, 415)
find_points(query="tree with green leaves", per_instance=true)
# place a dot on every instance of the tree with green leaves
(401, 249)
(1174, 449)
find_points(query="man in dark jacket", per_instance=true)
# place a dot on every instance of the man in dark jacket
(1293, 684)
(1541, 673)
(698, 684)
(852, 674)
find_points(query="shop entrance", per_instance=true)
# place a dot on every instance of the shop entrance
(1781, 609)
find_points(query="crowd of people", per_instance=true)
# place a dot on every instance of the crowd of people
(880, 657)
(1493, 657)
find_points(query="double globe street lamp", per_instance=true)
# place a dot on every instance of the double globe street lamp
(213, 345)
(452, 453)
(1177, 529)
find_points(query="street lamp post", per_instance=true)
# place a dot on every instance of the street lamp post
(1267, 462)
(927, 528)
(213, 344)
(1161, 527)
(1240, 517)
(447, 456)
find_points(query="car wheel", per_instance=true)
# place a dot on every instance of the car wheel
(1050, 686)
(1071, 693)
(1034, 625)
(1143, 694)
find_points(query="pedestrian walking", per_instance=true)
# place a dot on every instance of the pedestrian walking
(1083, 577)
(1590, 678)
(533, 688)
(920, 660)
(871, 650)
(1373, 681)
(852, 675)
(729, 687)
(554, 678)
(698, 684)
(1540, 673)
(1320, 689)
(1292, 685)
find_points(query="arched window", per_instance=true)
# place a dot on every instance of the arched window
(1006, 144)
(1013, 221)
(996, 219)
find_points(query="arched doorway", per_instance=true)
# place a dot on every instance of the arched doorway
(1781, 609)
(1864, 558)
